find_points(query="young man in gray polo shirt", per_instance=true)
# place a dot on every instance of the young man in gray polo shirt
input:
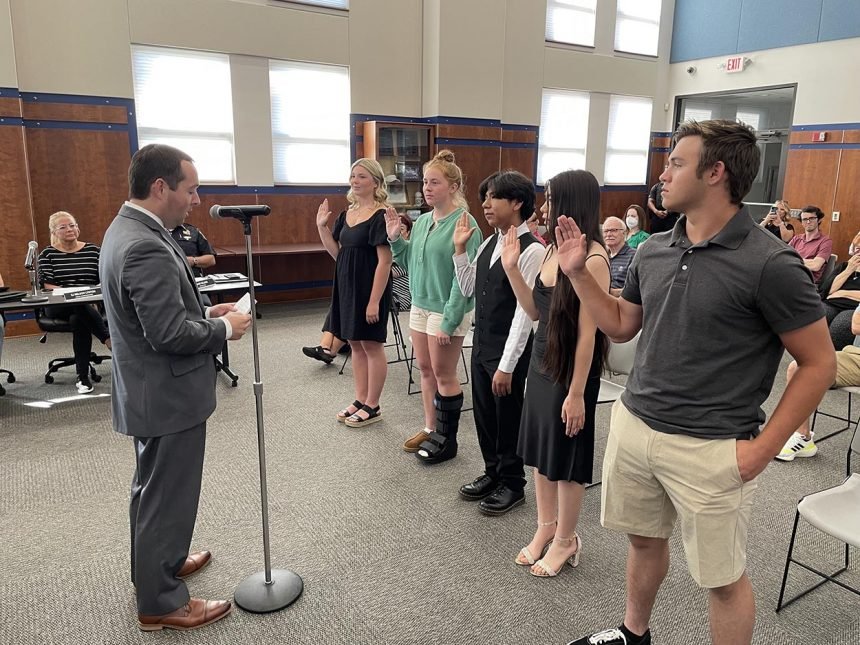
(716, 298)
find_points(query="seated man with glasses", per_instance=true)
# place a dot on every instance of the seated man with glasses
(620, 253)
(813, 246)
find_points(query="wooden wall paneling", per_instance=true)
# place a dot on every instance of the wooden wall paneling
(519, 136)
(847, 202)
(10, 107)
(15, 207)
(615, 202)
(75, 112)
(521, 159)
(293, 217)
(805, 136)
(655, 169)
(477, 163)
(223, 232)
(851, 136)
(810, 178)
(84, 172)
(446, 131)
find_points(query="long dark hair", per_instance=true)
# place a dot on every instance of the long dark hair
(574, 193)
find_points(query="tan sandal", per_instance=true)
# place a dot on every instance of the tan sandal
(525, 558)
(547, 572)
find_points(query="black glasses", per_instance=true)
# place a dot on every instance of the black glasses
(808, 219)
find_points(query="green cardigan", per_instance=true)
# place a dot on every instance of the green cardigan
(428, 256)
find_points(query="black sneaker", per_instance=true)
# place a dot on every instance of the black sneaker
(83, 385)
(615, 636)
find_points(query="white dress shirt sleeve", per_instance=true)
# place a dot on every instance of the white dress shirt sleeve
(226, 322)
(521, 326)
(465, 271)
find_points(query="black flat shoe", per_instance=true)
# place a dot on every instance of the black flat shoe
(501, 501)
(479, 488)
(318, 353)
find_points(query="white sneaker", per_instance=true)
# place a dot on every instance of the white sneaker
(798, 446)
(84, 386)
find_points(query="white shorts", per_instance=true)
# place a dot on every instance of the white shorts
(429, 322)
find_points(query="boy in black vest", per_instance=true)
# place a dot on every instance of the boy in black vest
(502, 340)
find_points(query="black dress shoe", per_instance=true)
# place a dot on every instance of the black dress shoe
(318, 353)
(501, 501)
(479, 488)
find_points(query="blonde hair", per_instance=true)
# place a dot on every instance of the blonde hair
(784, 204)
(444, 161)
(380, 193)
(54, 218)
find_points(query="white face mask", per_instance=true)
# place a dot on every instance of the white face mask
(632, 222)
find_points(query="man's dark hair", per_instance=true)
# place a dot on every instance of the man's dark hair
(514, 186)
(153, 162)
(484, 188)
(813, 209)
(732, 143)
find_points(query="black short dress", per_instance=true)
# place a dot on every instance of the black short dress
(353, 279)
(543, 443)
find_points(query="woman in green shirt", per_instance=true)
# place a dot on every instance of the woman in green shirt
(633, 219)
(440, 316)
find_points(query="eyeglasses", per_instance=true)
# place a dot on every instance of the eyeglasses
(613, 230)
(66, 227)
(808, 219)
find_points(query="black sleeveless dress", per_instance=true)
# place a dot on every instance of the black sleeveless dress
(543, 443)
(353, 279)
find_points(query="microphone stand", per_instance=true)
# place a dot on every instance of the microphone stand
(268, 590)
(35, 295)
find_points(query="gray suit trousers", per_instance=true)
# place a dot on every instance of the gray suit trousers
(165, 491)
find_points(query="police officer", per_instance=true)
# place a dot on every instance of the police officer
(195, 246)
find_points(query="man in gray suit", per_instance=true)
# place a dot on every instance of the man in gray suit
(164, 340)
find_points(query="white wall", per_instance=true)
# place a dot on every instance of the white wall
(8, 72)
(826, 75)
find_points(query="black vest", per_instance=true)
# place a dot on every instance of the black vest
(495, 304)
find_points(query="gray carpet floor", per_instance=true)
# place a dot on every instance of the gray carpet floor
(388, 552)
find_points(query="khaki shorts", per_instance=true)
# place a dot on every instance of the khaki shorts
(429, 322)
(650, 478)
(848, 366)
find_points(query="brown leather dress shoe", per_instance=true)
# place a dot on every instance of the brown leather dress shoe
(194, 562)
(414, 441)
(197, 613)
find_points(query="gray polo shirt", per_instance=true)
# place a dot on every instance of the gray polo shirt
(712, 312)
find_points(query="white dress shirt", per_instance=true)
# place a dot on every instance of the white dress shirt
(529, 265)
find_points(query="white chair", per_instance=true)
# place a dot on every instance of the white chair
(619, 361)
(835, 512)
(848, 419)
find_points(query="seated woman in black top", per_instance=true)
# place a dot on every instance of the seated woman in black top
(71, 263)
(843, 296)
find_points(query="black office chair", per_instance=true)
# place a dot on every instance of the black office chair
(50, 324)
(10, 377)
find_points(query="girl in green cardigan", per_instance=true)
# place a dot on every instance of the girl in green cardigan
(441, 316)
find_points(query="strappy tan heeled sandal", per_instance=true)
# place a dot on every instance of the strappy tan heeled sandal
(546, 571)
(525, 558)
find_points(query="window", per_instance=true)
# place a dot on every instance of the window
(697, 113)
(752, 119)
(637, 26)
(310, 122)
(628, 140)
(563, 132)
(328, 4)
(571, 21)
(183, 98)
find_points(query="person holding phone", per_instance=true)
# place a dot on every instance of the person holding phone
(776, 221)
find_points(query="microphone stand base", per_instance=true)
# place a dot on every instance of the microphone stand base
(32, 298)
(255, 595)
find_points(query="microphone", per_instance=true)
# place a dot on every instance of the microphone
(31, 255)
(238, 212)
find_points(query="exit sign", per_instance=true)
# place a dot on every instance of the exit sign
(734, 64)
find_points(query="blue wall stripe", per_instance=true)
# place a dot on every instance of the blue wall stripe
(274, 190)
(77, 99)
(75, 125)
(9, 93)
(11, 120)
(624, 188)
(825, 126)
(13, 316)
(490, 143)
(292, 286)
(661, 149)
(448, 120)
(824, 146)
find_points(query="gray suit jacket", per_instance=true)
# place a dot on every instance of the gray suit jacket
(162, 343)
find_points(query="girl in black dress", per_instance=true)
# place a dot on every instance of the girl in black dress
(361, 296)
(557, 427)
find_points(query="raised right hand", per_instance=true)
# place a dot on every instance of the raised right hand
(462, 233)
(854, 263)
(392, 223)
(510, 249)
(572, 246)
(323, 214)
(239, 322)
